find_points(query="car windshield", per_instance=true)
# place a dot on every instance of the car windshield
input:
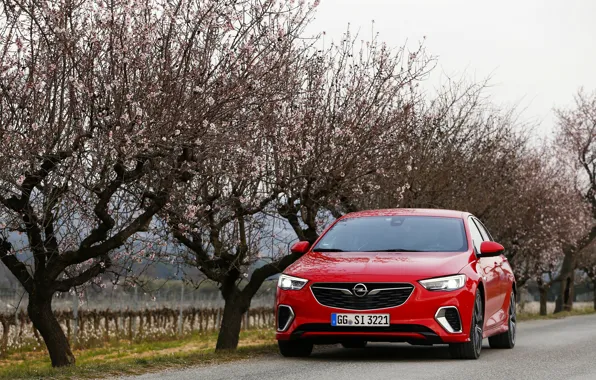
(395, 234)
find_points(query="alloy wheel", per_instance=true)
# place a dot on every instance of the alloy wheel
(478, 325)
(512, 318)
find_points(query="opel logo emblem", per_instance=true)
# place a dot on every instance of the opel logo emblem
(360, 290)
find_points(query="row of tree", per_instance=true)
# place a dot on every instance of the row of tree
(195, 131)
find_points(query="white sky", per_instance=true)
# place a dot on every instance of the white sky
(537, 52)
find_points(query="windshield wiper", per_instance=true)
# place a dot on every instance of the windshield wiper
(395, 250)
(328, 250)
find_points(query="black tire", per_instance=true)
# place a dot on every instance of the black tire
(294, 349)
(355, 344)
(471, 349)
(506, 339)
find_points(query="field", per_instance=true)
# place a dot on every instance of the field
(123, 357)
(94, 328)
(165, 310)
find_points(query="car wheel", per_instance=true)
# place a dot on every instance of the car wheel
(355, 344)
(294, 349)
(471, 349)
(506, 339)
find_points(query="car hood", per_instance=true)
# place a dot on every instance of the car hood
(378, 267)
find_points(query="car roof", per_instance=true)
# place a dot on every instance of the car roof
(408, 212)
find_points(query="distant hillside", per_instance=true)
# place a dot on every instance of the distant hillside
(284, 237)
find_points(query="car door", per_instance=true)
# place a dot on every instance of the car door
(491, 280)
(500, 276)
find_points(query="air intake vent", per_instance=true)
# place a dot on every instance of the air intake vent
(452, 317)
(448, 317)
(285, 315)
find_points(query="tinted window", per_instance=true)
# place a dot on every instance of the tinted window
(401, 233)
(476, 236)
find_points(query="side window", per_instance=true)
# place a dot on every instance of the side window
(485, 235)
(476, 235)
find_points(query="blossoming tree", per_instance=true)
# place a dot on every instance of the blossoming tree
(587, 263)
(576, 138)
(106, 108)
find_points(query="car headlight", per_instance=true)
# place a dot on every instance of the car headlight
(286, 282)
(444, 283)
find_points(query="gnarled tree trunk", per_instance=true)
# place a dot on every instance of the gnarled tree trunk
(6, 330)
(543, 299)
(42, 317)
(236, 304)
(566, 279)
(594, 294)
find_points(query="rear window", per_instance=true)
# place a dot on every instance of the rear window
(395, 233)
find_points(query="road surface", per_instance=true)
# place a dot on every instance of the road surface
(549, 349)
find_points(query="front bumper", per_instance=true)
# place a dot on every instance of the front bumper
(414, 321)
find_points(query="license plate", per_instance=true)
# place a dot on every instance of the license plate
(359, 319)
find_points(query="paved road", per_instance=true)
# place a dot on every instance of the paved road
(553, 349)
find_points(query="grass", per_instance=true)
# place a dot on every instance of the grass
(563, 314)
(125, 358)
(117, 359)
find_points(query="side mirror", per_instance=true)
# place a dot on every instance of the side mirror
(300, 247)
(491, 249)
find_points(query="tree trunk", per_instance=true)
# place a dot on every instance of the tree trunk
(569, 293)
(6, 331)
(564, 301)
(229, 333)
(567, 281)
(42, 317)
(594, 294)
(543, 299)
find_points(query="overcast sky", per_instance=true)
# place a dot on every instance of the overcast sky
(538, 52)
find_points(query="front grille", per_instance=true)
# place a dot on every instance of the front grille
(452, 316)
(379, 295)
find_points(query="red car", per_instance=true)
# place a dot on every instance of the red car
(401, 275)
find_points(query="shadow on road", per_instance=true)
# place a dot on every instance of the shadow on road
(386, 352)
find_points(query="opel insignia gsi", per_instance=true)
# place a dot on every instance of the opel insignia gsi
(401, 275)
